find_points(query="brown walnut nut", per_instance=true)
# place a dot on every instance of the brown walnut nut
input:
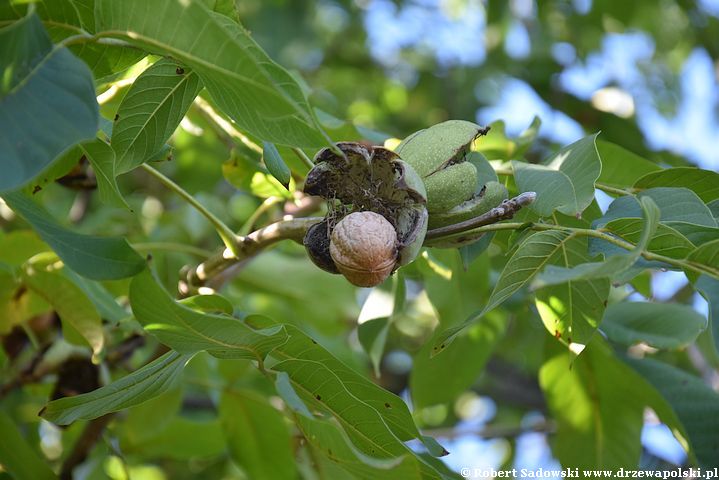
(363, 246)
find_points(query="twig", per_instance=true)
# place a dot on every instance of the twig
(504, 211)
(295, 229)
(89, 437)
(247, 247)
(226, 234)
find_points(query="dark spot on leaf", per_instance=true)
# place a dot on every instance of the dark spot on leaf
(605, 303)
(314, 342)
(569, 339)
(117, 116)
(329, 451)
(387, 405)
(442, 346)
(36, 189)
(444, 452)
(179, 70)
(557, 334)
(318, 397)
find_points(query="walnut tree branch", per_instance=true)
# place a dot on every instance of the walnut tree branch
(295, 229)
(247, 247)
(504, 211)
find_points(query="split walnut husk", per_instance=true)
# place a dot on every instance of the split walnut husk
(366, 179)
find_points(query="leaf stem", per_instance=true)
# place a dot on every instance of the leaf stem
(228, 237)
(614, 190)
(602, 235)
(303, 156)
(259, 211)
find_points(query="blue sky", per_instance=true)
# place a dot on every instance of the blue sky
(454, 33)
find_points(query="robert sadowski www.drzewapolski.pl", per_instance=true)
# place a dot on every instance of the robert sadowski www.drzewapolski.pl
(705, 474)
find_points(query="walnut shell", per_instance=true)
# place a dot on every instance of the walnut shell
(363, 246)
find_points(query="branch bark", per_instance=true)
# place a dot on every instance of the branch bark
(248, 246)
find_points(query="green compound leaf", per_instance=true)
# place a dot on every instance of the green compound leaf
(529, 259)
(151, 111)
(705, 183)
(47, 101)
(660, 325)
(146, 383)
(189, 331)
(614, 266)
(259, 95)
(566, 182)
(97, 258)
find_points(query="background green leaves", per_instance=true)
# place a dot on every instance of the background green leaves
(259, 95)
(277, 350)
(44, 88)
(565, 182)
(150, 112)
(98, 258)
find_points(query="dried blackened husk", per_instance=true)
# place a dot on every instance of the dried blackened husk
(317, 243)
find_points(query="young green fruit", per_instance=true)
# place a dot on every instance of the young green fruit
(441, 156)
(364, 248)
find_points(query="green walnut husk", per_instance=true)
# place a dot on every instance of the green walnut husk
(366, 179)
(442, 156)
(489, 196)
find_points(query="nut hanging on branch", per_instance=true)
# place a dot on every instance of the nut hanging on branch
(377, 215)
(364, 248)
